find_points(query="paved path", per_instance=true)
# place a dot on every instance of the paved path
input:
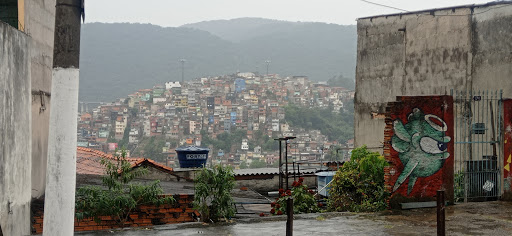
(485, 218)
(341, 225)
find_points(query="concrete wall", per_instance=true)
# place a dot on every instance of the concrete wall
(423, 54)
(492, 47)
(15, 131)
(156, 174)
(39, 24)
(268, 183)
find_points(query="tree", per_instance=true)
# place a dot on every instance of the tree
(257, 163)
(213, 193)
(120, 197)
(336, 126)
(243, 165)
(152, 148)
(126, 136)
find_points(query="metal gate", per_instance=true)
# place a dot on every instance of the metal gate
(478, 145)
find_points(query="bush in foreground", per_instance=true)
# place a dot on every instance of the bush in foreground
(359, 184)
(213, 193)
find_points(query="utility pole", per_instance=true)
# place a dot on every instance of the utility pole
(280, 162)
(286, 157)
(182, 70)
(268, 63)
(59, 206)
(289, 201)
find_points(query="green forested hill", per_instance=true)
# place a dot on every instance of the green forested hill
(117, 59)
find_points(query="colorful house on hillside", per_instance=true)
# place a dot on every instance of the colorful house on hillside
(239, 85)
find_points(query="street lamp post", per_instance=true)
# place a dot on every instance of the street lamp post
(286, 157)
(280, 162)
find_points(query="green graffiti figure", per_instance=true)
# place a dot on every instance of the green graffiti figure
(421, 145)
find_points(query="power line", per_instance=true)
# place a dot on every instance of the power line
(382, 5)
(506, 4)
(491, 8)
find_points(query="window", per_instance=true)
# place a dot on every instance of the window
(9, 13)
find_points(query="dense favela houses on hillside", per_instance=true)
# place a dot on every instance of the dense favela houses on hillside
(245, 106)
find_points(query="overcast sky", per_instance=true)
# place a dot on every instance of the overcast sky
(179, 12)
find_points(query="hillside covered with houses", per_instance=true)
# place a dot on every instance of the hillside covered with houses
(236, 116)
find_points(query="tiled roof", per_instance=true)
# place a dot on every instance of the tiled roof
(88, 162)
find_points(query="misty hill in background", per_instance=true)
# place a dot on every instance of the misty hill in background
(118, 59)
(240, 29)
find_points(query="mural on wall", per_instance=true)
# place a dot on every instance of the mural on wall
(421, 144)
(418, 145)
(507, 146)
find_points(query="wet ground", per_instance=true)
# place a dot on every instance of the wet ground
(484, 218)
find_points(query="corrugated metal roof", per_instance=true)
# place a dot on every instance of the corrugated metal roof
(267, 171)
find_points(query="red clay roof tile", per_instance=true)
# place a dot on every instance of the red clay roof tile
(88, 161)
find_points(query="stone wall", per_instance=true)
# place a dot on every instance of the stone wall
(15, 131)
(419, 148)
(146, 215)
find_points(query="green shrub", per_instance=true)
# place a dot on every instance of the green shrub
(118, 198)
(459, 186)
(213, 193)
(359, 184)
(303, 199)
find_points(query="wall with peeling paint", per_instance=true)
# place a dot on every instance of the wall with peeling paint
(15, 131)
(39, 20)
(428, 53)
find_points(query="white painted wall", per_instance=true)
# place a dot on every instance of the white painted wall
(59, 206)
(15, 131)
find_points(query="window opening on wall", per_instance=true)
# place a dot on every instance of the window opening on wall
(9, 12)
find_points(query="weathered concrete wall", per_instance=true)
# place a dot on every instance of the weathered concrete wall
(40, 24)
(155, 174)
(492, 47)
(423, 54)
(271, 183)
(15, 131)
(419, 148)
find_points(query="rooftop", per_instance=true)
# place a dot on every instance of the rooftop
(431, 11)
(88, 162)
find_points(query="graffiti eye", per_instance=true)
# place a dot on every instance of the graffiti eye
(442, 146)
(430, 145)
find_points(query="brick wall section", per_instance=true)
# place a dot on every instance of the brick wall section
(388, 134)
(147, 215)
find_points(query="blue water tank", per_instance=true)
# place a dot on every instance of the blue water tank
(192, 156)
(323, 179)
